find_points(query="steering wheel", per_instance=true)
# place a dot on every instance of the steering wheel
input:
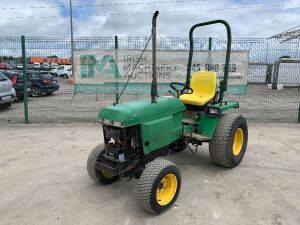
(185, 90)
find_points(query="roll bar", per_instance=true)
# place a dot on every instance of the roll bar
(224, 82)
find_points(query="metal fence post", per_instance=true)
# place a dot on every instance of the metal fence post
(269, 74)
(24, 80)
(209, 52)
(72, 39)
(209, 43)
(299, 113)
(116, 72)
(275, 75)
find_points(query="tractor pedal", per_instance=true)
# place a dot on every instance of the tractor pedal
(198, 137)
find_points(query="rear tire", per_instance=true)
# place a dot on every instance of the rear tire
(97, 175)
(159, 186)
(35, 92)
(229, 142)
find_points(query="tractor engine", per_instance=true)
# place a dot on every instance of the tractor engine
(121, 143)
(122, 149)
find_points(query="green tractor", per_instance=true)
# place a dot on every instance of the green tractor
(136, 133)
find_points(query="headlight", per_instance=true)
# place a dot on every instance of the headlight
(114, 123)
(107, 121)
(213, 111)
(118, 124)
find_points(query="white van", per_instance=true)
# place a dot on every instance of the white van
(54, 65)
(36, 65)
(61, 71)
(69, 73)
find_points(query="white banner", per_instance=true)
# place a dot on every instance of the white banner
(106, 66)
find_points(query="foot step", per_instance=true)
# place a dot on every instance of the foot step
(198, 137)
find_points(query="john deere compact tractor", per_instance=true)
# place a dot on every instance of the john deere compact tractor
(136, 133)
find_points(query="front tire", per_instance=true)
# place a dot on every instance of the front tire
(97, 175)
(159, 186)
(229, 142)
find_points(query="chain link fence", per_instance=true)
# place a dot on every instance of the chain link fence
(273, 81)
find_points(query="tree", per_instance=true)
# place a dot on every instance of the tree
(5, 58)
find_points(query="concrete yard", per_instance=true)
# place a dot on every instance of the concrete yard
(259, 105)
(43, 181)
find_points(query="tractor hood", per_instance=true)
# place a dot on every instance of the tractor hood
(141, 111)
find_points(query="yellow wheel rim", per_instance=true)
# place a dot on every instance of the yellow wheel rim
(238, 141)
(166, 189)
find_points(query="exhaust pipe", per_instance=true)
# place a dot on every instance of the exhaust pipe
(154, 73)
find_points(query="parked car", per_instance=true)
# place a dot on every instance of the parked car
(17, 82)
(19, 66)
(3, 66)
(7, 92)
(53, 65)
(61, 71)
(11, 66)
(30, 66)
(36, 66)
(45, 66)
(42, 83)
